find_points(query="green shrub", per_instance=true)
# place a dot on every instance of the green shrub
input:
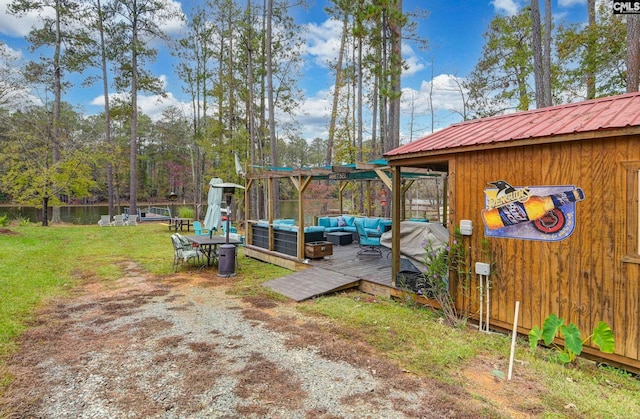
(186, 212)
(4, 221)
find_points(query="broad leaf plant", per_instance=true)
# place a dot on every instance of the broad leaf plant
(573, 343)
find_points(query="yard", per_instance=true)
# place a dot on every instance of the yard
(94, 322)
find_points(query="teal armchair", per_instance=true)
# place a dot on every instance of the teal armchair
(368, 245)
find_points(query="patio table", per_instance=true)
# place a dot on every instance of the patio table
(179, 223)
(209, 246)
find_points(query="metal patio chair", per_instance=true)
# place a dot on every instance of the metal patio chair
(183, 251)
(368, 245)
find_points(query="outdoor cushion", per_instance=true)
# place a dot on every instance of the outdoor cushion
(312, 229)
(348, 219)
(371, 223)
(324, 221)
(374, 226)
(287, 221)
(332, 229)
(183, 250)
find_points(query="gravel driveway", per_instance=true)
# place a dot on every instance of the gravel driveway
(180, 346)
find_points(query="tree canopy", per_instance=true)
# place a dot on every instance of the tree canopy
(240, 64)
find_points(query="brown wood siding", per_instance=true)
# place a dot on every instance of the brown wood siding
(581, 278)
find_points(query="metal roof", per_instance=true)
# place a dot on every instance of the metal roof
(356, 171)
(603, 114)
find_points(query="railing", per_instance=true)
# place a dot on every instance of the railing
(152, 213)
(159, 211)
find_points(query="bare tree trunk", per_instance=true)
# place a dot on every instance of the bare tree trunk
(263, 130)
(591, 52)
(546, 57)
(536, 46)
(270, 104)
(133, 155)
(336, 93)
(57, 90)
(633, 53)
(374, 114)
(359, 81)
(431, 111)
(396, 74)
(251, 114)
(384, 86)
(107, 111)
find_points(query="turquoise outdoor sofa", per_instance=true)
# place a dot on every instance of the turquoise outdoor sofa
(374, 226)
(285, 235)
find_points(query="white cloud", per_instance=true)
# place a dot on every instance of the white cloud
(15, 26)
(569, 3)
(508, 7)
(175, 25)
(447, 102)
(323, 44)
(19, 26)
(323, 41)
(8, 55)
(413, 61)
(151, 105)
(447, 95)
(313, 115)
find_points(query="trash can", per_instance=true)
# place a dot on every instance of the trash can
(227, 260)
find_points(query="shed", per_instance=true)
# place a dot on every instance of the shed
(577, 255)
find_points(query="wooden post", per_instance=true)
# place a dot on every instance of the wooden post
(343, 185)
(396, 193)
(513, 339)
(248, 183)
(369, 203)
(271, 205)
(301, 183)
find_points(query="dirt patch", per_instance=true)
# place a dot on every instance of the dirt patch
(180, 346)
(7, 232)
(519, 397)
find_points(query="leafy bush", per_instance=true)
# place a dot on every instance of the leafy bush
(434, 281)
(602, 336)
(4, 221)
(186, 212)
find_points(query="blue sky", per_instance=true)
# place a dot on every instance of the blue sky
(454, 30)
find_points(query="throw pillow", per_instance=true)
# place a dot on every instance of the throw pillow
(341, 222)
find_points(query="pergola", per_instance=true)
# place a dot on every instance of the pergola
(378, 170)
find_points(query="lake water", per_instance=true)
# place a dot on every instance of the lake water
(90, 214)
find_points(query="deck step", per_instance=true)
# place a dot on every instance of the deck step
(310, 283)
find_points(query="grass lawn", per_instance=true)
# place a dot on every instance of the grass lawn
(40, 263)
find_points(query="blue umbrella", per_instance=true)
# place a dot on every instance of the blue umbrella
(213, 218)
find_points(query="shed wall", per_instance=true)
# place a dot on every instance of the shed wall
(581, 278)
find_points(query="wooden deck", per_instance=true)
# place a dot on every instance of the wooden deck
(344, 269)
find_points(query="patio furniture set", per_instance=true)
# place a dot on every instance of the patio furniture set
(320, 239)
(118, 221)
